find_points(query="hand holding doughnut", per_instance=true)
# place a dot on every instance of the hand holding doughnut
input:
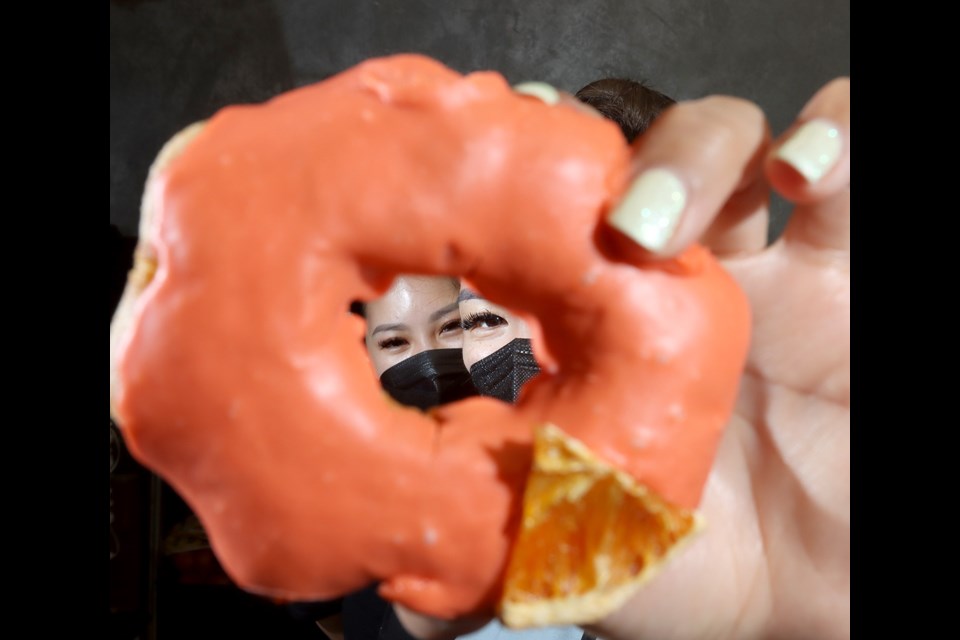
(775, 560)
(236, 370)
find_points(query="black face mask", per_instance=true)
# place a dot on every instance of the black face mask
(428, 379)
(503, 373)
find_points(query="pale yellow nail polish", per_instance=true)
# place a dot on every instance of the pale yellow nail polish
(813, 149)
(541, 90)
(651, 209)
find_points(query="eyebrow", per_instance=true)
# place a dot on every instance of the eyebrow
(439, 313)
(466, 294)
(388, 327)
(399, 326)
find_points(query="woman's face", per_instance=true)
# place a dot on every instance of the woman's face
(486, 327)
(416, 314)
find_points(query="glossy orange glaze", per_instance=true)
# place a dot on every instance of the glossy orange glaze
(244, 382)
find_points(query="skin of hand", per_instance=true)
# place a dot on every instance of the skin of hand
(774, 558)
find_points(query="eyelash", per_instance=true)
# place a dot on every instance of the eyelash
(482, 317)
(451, 326)
(391, 342)
(396, 341)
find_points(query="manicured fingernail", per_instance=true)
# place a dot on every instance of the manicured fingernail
(813, 149)
(540, 90)
(651, 208)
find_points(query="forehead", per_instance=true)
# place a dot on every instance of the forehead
(424, 287)
(412, 298)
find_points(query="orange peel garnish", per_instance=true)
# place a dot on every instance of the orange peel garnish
(590, 537)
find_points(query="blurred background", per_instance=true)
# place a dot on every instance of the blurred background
(173, 62)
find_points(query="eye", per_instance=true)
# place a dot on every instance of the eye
(482, 320)
(394, 342)
(452, 325)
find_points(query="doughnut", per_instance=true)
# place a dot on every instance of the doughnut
(239, 376)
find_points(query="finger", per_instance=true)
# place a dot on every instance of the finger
(810, 165)
(540, 90)
(697, 167)
(742, 225)
(427, 628)
(811, 159)
(552, 96)
(824, 225)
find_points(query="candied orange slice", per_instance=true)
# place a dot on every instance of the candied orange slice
(591, 536)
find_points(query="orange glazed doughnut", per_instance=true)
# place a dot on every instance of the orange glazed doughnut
(238, 375)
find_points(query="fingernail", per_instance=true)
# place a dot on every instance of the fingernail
(651, 208)
(813, 149)
(540, 90)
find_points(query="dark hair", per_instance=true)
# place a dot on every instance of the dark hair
(629, 103)
(359, 307)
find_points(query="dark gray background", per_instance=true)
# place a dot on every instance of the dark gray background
(173, 62)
